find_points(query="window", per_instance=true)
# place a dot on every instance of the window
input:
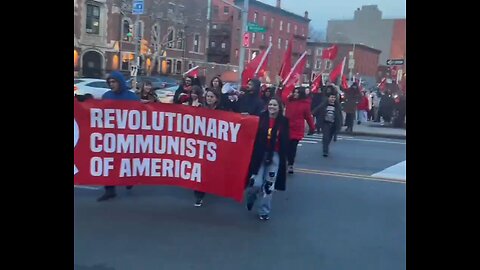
(171, 37)
(196, 43)
(223, 45)
(295, 29)
(270, 39)
(318, 64)
(286, 44)
(155, 35)
(307, 65)
(319, 51)
(303, 31)
(179, 67)
(255, 16)
(272, 22)
(281, 25)
(214, 26)
(169, 66)
(212, 44)
(171, 8)
(288, 27)
(226, 10)
(279, 43)
(264, 20)
(236, 53)
(263, 37)
(215, 11)
(253, 37)
(93, 19)
(180, 39)
(305, 78)
(328, 64)
(98, 85)
(140, 29)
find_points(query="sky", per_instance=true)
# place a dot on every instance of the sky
(320, 11)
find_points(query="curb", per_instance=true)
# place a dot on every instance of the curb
(360, 133)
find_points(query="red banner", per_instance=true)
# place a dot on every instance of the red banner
(130, 143)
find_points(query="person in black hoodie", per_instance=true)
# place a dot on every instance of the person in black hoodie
(184, 91)
(250, 102)
(331, 118)
(268, 164)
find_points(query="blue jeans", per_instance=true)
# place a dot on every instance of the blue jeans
(258, 187)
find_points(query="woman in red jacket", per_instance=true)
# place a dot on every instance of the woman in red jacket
(297, 111)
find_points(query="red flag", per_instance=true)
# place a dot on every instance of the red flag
(344, 82)
(287, 62)
(330, 52)
(317, 83)
(337, 71)
(294, 76)
(193, 72)
(257, 65)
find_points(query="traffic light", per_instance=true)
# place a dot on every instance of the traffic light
(246, 40)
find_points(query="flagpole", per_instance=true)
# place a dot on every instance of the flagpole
(262, 60)
(294, 66)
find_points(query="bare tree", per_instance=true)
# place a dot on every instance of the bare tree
(316, 35)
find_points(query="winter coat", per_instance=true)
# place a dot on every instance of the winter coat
(321, 110)
(124, 93)
(297, 111)
(260, 147)
(250, 102)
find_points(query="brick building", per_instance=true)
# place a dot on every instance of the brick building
(281, 28)
(365, 60)
(173, 36)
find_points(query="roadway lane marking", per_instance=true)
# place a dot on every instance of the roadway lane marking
(397, 171)
(351, 175)
(86, 187)
(377, 141)
(303, 141)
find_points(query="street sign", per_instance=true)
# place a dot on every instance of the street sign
(137, 8)
(133, 71)
(395, 62)
(255, 28)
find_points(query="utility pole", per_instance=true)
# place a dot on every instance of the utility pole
(243, 30)
(137, 9)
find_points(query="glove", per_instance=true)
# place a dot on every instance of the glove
(251, 181)
(268, 187)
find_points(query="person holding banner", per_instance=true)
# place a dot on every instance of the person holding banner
(183, 92)
(146, 93)
(268, 164)
(212, 101)
(196, 97)
(118, 91)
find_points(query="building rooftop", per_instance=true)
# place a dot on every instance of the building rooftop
(274, 10)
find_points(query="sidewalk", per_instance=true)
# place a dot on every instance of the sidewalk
(371, 128)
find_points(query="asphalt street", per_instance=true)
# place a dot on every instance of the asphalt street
(338, 213)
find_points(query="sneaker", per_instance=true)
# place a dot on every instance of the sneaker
(106, 196)
(129, 187)
(198, 203)
(325, 154)
(264, 217)
(290, 169)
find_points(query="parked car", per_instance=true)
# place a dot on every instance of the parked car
(95, 87)
(157, 82)
(165, 95)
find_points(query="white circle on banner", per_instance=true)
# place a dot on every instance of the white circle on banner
(76, 136)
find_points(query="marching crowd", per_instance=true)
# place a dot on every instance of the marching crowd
(281, 125)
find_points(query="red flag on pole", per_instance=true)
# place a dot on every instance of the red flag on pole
(317, 83)
(344, 82)
(193, 72)
(294, 76)
(337, 71)
(256, 67)
(330, 52)
(287, 62)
